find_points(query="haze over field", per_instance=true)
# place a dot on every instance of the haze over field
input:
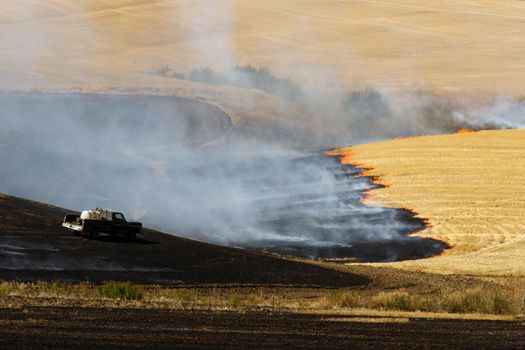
(194, 115)
(438, 67)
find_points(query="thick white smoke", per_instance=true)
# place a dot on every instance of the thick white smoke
(152, 158)
(145, 156)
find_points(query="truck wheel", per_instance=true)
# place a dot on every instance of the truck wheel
(132, 236)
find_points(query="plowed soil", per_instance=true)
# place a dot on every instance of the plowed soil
(70, 328)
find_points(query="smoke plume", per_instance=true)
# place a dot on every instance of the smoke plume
(147, 156)
(182, 165)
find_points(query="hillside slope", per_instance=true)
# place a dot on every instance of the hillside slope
(33, 246)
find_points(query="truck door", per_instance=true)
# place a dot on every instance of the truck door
(119, 222)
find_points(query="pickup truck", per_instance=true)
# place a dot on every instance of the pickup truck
(93, 222)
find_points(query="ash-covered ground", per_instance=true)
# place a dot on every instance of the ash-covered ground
(305, 214)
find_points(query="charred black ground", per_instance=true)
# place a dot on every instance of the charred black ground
(338, 226)
(33, 246)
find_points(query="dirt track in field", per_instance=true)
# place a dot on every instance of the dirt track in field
(70, 328)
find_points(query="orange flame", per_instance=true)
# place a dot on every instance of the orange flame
(465, 131)
(346, 158)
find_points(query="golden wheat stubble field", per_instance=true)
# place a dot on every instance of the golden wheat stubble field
(445, 46)
(470, 187)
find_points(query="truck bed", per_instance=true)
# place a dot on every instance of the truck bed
(72, 226)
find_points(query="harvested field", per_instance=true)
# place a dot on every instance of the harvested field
(448, 46)
(469, 187)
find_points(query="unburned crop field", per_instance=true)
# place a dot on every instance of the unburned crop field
(470, 188)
